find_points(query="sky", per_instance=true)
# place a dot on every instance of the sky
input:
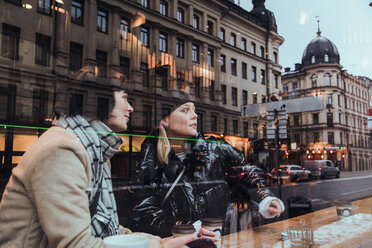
(347, 23)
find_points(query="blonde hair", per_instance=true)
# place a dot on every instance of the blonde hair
(164, 147)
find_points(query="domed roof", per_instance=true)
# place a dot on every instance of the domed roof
(264, 16)
(320, 50)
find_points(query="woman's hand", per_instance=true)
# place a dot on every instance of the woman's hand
(275, 209)
(171, 242)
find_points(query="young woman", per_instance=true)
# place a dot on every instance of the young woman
(189, 171)
(60, 194)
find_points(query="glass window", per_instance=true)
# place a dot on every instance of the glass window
(254, 76)
(102, 108)
(331, 137)
(245, 129)
(263, 77)
(224, 93)
(145, 3)
(124, 28)
(163, 42)
(42, 49)
(101, 58)
(316, 137)
(243, 44)
(223, 62)
(327, 78)
(102, 20)
(233, 67)
(10, 41)
(222, 34)
(254, 98)
(330, 120)
(296, 120)
(285, 87)
(314, 79)
(326, 58)
(163, 8)
(197, 86)
(234, 96)
(225, 125)
(329, 101)
(76, 56)
(210, 27)
(77, 12)
(244, 97)
(145, 74)
(316, 118)
(235, 127)
(125, 68)
(232, 39)
(195, 21)
(213, 123)
(44, 7)
(180, 15)
(195, 53)
(145, 36)
(211, 90)
(276, 81)
(275, 57)
(180, 48)
(244, 70)
(253, 48)
(255, 130)
(76, 104)
(262, 51)
(295, 85)
(313, 59)
(210, 57)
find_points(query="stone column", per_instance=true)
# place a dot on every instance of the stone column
(90, 40)
(62, 36)
(113, 55)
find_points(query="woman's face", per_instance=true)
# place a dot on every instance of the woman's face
(120, 114)
(182, 122)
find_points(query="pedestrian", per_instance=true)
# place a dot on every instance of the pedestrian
(189, 171)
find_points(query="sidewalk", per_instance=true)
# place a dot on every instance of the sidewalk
(345, 174)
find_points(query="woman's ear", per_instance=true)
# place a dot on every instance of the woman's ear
(164, 123)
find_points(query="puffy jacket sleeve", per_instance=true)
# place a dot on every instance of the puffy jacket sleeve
(57, 184)
(146, 169)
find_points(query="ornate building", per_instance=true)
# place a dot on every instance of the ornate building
(339, 131)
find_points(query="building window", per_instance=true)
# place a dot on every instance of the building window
(254, 98)
(102, 20)
(76, 56)
(276, 83)
(232, 39)
(263, 77)
(329, 101)
(163, 42)
(197, 86)
(223, 62)
(145, 36)
(285, 88)
(213, 123)
(263, 99)
(180, 48)
(224, 93)
(316, 118)
(222, 34)
(255, 131)
(210, 27)
(253, 48)
(275, 57)
(234, 96)
(339, 118)
(44, 7)
(145, 3)
(327, 77)
(313, 59)
(77, 12)
(163, 8)
(42, 49)
(124, 68)
(101, 58)
(233, 67)
(262, 52)
(341, 138)
(339, 100)
(145, 74)
(243, 44)
(329, 119)
(244, 70)
(254, 76)
(147, 116)
(326, 58)
(331, 137)
(103, 108)
(76, 104)
(316, 137)
(314, 79)
(235, 126)
(210, 57)
(245, 129)
(195, 21)
(244, 97)
(181, 81)
(195, 53)
(10, 41)
(294, 85)
(124, 28)
(211, 91)
(39, 105)
(225, 125)
(180, 15)
(296, 120)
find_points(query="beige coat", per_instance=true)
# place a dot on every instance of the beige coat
(45, 203)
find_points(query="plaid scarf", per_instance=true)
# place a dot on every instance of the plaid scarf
(101, 144)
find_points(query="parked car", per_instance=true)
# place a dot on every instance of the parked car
(292, 172)
(322, 168)
(239, 173)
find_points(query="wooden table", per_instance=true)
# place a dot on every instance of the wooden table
(270, 234)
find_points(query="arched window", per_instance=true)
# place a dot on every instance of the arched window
(326, 58)
(313, 59)
(327, 77)
(313, 80)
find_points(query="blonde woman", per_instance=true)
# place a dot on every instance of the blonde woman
(188, 170)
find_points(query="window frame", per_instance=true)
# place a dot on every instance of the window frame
(102, 20)
(74, 19)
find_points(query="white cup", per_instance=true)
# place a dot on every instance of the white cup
(126, 241)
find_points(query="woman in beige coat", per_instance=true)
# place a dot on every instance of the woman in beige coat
(60, 194)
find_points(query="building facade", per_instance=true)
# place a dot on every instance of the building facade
(339, 132)
(57, 54)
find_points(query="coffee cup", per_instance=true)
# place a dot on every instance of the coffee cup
(183, 230)
(126, 241)
(214, 225)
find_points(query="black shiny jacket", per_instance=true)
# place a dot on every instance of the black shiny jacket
(202, 191)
